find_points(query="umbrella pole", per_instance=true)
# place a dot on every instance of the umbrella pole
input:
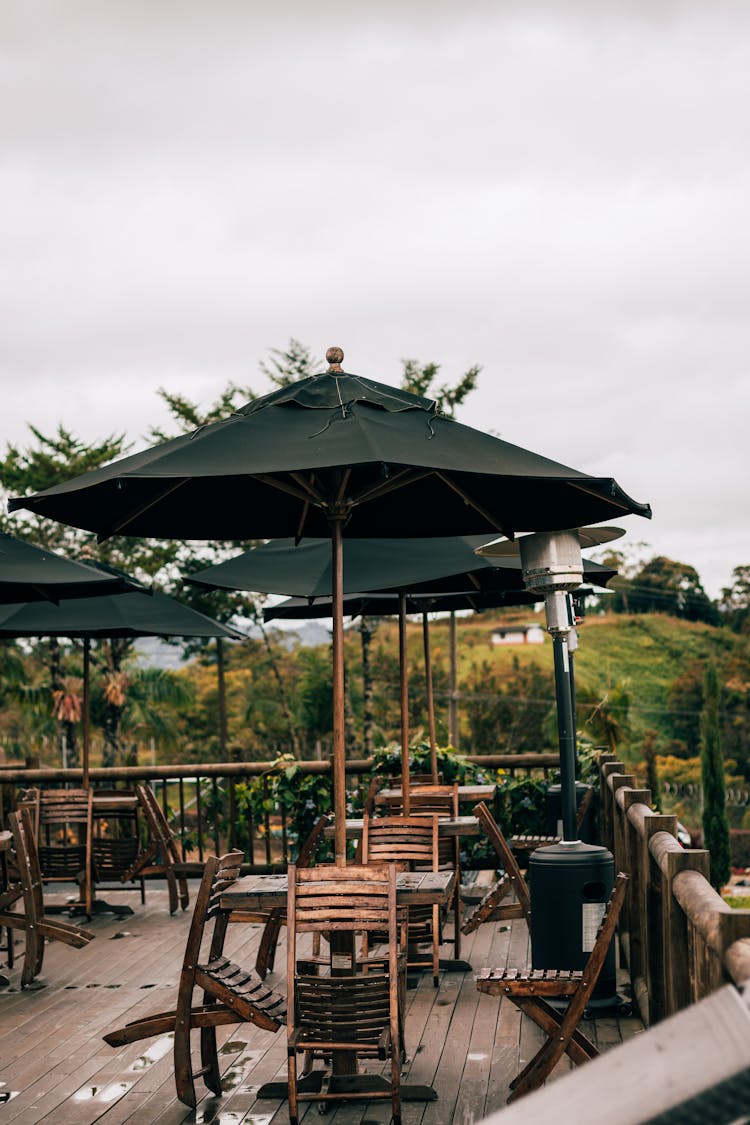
(430, 697)
(86, 708)
(339, 741)
(404, 682)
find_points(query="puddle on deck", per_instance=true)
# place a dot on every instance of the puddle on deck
(156, 1051)
(102, 1094)
(214, 1114)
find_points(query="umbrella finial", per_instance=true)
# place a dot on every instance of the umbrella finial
(335, 357)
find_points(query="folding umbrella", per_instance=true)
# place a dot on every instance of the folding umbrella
(30, 574)
(338, 455)
(143, 613)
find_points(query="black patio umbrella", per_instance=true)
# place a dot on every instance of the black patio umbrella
(336, 455)
(410, 575)
(134, 614)
(31, 574)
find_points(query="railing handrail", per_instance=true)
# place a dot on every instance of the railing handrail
(25, 776)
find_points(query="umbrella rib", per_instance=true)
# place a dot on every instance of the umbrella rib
(492, 520)
(307, 485)
(282, 486)
(593, 492)
(117, 527)
(404, 477)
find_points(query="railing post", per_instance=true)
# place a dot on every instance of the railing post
(606, 814)
(619, 781)
(645, 938)
(629, 861)
(676, 930)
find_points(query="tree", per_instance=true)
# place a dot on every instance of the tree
(420, 378)
(734, 603)
(665, 586)
(715, 825)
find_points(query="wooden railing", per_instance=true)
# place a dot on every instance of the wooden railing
(680, 939)
(201, 799)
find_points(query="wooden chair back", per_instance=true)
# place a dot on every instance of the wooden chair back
(406, 840)
(36, 925)
(161, 856)
(508, 861)
(64, 820)
(347, 1011)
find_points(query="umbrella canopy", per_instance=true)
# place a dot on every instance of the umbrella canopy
(146, 614)
(30, 574)
(142, 613)
(376, 604)
(332, 446)
(333, 454)
(439, 565)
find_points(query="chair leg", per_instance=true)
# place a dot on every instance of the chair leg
(183, 1069)
(292, 1087)
(267, 948)
(184, 894)
(172, 888)
(436, 946)
(34, 956)
(210, 1060)
(396, 1084)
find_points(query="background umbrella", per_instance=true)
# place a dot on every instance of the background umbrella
(413, 571)
(332, 454)
(30, 574)
(135, 614)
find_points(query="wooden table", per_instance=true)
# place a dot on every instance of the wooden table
(264, 892)
(448, 827)
(466, 793)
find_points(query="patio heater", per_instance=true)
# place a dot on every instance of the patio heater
(570, 881)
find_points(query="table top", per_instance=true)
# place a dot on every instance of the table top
(465, 793)
(264, 892)
(448, 827)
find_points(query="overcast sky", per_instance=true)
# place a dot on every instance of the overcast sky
(557, 191)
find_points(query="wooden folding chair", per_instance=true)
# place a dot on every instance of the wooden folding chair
(530, 990)
(492, 908)
(357, 1014)
(230, 994)
(409, 842)
(36, 925)
(525, 844)
(115, 844)
(440, 800)
(277, 918)
(161, 856)
(63, 824)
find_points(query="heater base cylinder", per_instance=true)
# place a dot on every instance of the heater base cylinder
(570, 887)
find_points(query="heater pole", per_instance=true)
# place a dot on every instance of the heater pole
(566, 735)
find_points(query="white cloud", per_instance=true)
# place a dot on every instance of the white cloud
(555, 191)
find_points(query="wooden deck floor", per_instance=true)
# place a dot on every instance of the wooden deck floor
(54, 1066)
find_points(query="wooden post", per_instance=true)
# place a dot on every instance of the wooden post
(430, 696)
(606, 816)
(453, 685)
(404, 684)
(86, 707)
(619, 781)
(668, 948)
(339, 733)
